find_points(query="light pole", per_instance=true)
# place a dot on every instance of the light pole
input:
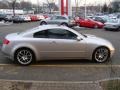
(38, 6)
(76, 3)
(85, 10)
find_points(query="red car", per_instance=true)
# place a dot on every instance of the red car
(89, 23)
(34, 18)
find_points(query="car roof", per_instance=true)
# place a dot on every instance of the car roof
(43, 27)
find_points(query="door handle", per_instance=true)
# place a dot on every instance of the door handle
(53, 42)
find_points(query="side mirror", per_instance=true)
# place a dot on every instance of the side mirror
(79, 39)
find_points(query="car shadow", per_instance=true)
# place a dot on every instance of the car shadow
(69, 62)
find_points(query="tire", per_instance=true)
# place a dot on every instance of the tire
(96, 26)
(24, 56)
(101, 55)
(43, 23)
(119, 29)
(64, 24)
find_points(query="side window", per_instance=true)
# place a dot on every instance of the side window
(98, 18)
(40, 34)
(61, 18)
(72, 35)
(57, 34)
(61, 34)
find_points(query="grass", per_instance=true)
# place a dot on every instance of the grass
(0, 41)
(111, 85)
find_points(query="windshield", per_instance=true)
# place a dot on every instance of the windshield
(114, 21)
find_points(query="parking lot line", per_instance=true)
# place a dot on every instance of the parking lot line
(76, 66)
(57, 82)
(69, 66)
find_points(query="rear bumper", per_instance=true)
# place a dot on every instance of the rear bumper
(6, 52)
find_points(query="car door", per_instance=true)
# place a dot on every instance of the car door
(65, 45)
(61, 44)
(52, 20)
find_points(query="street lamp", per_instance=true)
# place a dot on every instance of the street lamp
(85, 10)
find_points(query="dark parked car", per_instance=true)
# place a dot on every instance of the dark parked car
(18, 19)
(100, 19)
(9, 18)
(2, 17)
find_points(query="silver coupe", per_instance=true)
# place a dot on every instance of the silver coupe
(48, 42)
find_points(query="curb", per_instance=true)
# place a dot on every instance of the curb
(47, 85)
(51, 85)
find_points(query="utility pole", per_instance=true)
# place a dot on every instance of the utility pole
(85, 10)
(76, 4)
(37, 6)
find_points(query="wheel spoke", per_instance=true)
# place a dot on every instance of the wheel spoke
(101, 54)
(24, 57)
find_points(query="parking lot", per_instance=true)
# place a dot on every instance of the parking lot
(64, 71)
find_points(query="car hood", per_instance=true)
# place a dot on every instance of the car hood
(93, 37)
(97, 41)
(90, 35)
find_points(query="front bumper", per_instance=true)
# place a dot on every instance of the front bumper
(111, 27)
(112, 53)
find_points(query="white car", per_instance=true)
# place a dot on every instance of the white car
(26, 18)
(40, 17)
(55, 42)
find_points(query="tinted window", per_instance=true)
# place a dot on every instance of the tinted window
(61, 34)
(41, 34)
(98, 18)
(55, 34)
(60, 17)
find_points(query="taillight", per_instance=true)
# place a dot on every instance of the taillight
(6, 41)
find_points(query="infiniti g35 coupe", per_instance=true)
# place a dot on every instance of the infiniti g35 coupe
(55, 42)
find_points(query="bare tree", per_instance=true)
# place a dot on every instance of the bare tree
(49, 6)
(13, 6)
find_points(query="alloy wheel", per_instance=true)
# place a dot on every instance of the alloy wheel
(101, 55)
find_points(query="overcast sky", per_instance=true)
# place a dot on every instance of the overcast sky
(81, 2)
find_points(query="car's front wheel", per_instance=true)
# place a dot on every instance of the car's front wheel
(64, 24)
(101, 54)
(24, 56)
(95, 26)
(43, 23)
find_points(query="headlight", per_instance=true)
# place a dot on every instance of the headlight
(72, 21)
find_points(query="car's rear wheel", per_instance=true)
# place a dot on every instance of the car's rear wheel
(43, 23)
(24, 56)
(101, 54)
